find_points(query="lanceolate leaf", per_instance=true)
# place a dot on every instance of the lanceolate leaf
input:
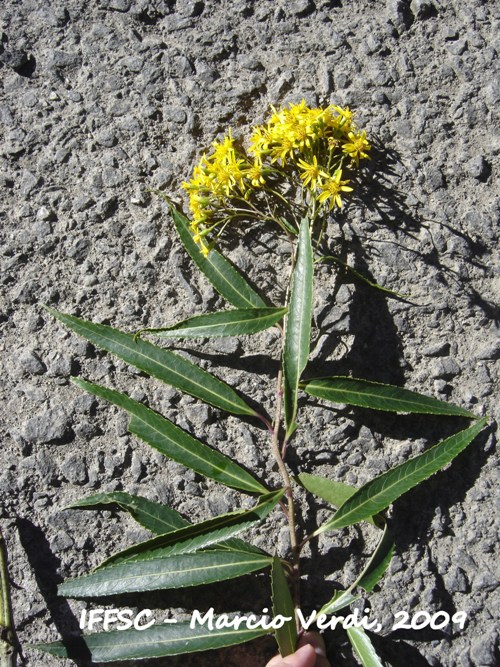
(163, 364)
(157, 641)
(363, 647)
(361, 277)
(378, 494)
(286, 636)
(159, 572)
(235, 544)
(225, 278)
(377, 396)
(155, 517)
(175, 443)
(335, 493)
(369, 577)
(293, 229)
(340, 600)
(201, 535)
(237, 322)
(378, 563)
(298, 325)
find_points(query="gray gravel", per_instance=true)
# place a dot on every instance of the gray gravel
(101, 101)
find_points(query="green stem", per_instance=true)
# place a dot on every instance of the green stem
(8, 640)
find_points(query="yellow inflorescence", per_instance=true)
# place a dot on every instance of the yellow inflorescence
(306, 148)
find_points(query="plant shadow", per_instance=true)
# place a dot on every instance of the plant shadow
(45, 566)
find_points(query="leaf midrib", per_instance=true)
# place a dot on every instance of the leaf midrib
(225, 324)
(302, 325)
(224, 632)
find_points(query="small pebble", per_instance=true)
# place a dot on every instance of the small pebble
(51, 426)
(31, 363)
(478, 168)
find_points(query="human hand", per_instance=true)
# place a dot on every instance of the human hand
(310, 653)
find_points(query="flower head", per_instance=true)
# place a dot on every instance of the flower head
(296, 159)
(357, 146)
(331, 188)
(310, 172)
(255, 174)
(344, 118)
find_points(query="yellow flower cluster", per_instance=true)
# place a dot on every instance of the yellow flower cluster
(302, 147)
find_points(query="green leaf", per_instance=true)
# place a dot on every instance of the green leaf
(163, 364)
(377, 396)
(298, 325)
(201, 535)
(378, 494)
(237, 322)
(361, 277)
(378, 563)
(153, 516)
(363, 647)
(286, 636)
(225, 278)
(288, 226)
(340, 600)
(176, 444)
(235, 544)
(155, 642)
(335, 493)
(157, 572)
(369, 577)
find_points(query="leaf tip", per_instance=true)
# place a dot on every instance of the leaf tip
(138, 334)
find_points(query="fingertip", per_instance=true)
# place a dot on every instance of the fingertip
(315, 640)
(305, 656)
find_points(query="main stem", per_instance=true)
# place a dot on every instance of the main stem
(294, 542)
(279, 455)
